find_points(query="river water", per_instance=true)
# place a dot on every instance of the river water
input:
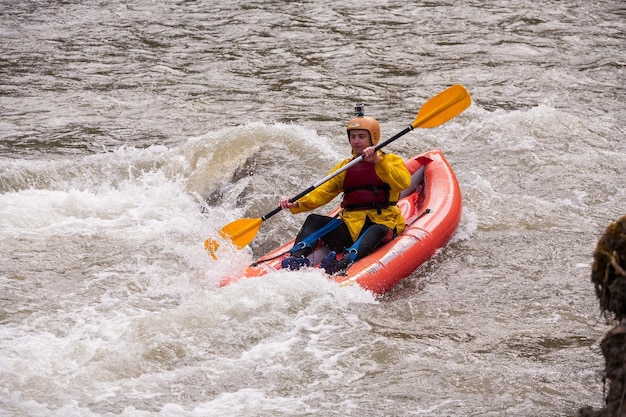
(131, 131)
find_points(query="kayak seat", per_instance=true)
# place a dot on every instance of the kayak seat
(408, 199)
(416, 179)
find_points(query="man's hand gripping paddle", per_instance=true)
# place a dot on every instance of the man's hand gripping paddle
(436, 111)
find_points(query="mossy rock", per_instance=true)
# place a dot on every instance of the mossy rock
(609, 270)
(609, 277)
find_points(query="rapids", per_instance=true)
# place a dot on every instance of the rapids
(131, 131)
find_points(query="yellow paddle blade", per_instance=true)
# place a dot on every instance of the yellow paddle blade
(443, 107)
(241, 231)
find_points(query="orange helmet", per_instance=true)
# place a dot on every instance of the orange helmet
(367, 123)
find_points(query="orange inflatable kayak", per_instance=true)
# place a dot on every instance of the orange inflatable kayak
(432, 210)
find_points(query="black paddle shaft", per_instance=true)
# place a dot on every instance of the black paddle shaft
(339, 171)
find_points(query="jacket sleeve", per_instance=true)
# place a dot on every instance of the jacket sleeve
(392, 170)
(324, 193)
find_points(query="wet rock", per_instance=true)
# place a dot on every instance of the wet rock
(609, 278)
(609, 270)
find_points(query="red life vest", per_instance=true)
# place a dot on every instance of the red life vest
(363, 188)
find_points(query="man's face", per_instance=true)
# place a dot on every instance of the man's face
(359, 140)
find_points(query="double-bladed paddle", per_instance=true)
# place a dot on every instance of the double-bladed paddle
(436, 111)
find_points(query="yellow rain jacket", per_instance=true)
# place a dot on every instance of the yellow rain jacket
(391, 169)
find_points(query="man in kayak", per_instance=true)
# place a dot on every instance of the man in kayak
(369, 216)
